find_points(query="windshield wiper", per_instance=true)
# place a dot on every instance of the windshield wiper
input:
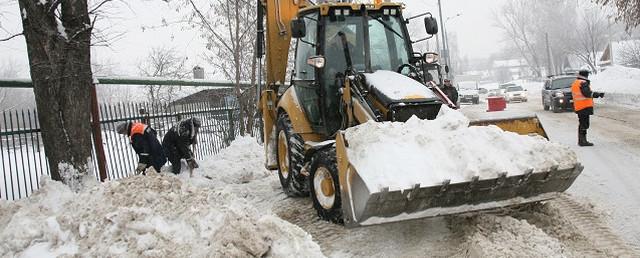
(386, 26)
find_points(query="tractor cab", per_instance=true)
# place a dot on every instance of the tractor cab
(337, 40)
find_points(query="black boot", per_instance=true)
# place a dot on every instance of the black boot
(582, 138)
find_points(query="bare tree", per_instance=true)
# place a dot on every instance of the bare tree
(590, 35)
(163, 62)
(628, 11)
(519, 24)
(58, 35)
(630, 54)
(230, 29)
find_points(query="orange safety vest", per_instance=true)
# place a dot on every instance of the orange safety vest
(580, 102)
(137, 128)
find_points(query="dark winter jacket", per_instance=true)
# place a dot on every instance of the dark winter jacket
(144, 141)
(451, 93)
(585, 89)
(177, 140)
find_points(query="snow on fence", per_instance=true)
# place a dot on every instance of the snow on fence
(24, 161)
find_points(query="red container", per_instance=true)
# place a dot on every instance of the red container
(496, 104)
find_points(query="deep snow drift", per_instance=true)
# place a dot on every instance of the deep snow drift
(399, 155)
(621, 85)
(160, 215)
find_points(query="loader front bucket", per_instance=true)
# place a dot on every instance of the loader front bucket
(363, 206)
(517, 122)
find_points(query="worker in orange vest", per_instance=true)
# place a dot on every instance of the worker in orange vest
(583, 104)
(144, 141)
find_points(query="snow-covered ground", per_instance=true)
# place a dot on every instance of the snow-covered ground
(620, 84)
(160, 215)
(233, 207)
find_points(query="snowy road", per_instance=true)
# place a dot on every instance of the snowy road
(611, 178)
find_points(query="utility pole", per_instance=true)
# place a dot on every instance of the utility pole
(549, 61)
(444, 41)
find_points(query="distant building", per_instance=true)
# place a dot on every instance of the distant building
(212, 97)
(624, 52)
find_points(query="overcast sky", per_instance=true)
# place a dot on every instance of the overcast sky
(477, 37)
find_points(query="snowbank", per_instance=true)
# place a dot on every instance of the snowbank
(621, 85)
(159, 215)
(399, 155)
(498, 236)
(617, 79)
(241, 162)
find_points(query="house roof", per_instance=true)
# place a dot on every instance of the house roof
(615, 50)
(204, 96)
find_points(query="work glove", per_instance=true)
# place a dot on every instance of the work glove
(192, 163)
(141, 168)
(598, 94)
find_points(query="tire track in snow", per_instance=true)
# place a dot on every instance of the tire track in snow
(592, 228)
(415, 238)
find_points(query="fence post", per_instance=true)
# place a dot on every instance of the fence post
(232, 126)
(97, 134)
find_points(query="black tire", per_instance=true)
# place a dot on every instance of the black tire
(544, 105)
(324, 165)
(555, 108)
(294, 184)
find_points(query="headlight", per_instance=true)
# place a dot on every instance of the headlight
(558, 94)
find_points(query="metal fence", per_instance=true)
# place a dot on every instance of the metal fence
(22, 154)
(23, 157)
(24, 161)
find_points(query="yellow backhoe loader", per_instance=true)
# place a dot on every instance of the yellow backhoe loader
(340, 51)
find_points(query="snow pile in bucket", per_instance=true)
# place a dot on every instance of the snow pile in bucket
(159, 215)
(400, 155)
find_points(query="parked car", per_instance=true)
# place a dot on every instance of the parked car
(556, 94)
(468, 92)
(495, 93)
(516, 93)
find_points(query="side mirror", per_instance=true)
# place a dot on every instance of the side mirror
(430, 58)
(316, 61)
(298, 28)
(431, 25)
(446, 68)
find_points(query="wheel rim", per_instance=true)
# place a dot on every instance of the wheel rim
(283, 154)
(324, 189)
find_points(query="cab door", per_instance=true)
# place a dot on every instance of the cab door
(304, 75)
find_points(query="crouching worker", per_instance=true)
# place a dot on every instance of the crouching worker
(144, 141)
(177, 141)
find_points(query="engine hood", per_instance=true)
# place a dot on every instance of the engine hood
(468, 92)
(564, 90)
(392, 87)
